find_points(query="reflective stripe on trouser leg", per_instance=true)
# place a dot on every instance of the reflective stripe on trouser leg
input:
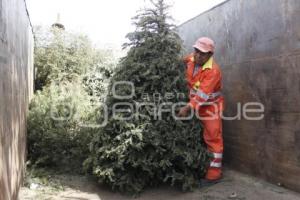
(215, 168)
(217, 155)
(216, 164)
(216, 160)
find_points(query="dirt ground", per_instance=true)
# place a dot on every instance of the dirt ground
(234, 186)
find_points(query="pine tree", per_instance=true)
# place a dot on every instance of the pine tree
(149, 149)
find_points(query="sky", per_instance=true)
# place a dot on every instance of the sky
(106, 22)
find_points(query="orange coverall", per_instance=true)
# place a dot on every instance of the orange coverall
(205, 98)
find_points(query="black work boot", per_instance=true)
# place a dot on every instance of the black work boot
(207, 183)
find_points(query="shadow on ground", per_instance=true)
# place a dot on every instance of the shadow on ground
(233, 186)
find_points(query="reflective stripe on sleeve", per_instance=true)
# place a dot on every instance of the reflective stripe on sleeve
(200, 93)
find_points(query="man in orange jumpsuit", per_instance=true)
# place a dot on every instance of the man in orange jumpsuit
(204, 81)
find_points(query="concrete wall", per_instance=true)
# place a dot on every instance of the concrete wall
(16, 88)
(258, 48)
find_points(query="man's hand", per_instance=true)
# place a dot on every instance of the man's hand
(184, 111)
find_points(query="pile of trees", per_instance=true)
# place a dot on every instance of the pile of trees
(142, 143)
(71, 78)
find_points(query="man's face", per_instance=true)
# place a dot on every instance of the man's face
(200, 57)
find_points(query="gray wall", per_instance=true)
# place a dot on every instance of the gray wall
(16, 87)
(258, 48)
